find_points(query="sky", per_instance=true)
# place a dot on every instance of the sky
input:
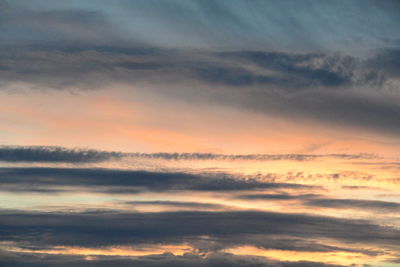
(200, 133)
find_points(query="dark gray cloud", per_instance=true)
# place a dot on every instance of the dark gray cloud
(224, 229)
(60, 154)
(291, 70)
(54, 154)
(57, 28)
(260, 157)
(328, 88)
(168, 260)
(176, 204)
(72, 45)
(380, 114)
(388, 60)
(126, 181)
(82, 66)
(138, 64)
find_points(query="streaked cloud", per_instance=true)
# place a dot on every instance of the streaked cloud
(244, 228)
(61, 154)
(126, 181)
(264, 81)
(55, 154)
(199, 133)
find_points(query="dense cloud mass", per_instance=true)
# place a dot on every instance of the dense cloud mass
(120, 181)
(57, 66)
(189, 260)
(209, 228)
(226, 229)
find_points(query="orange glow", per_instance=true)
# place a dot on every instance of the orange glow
(340, 257)
(110, 251)
(117, 119)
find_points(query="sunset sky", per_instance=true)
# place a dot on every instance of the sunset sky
(200, 133)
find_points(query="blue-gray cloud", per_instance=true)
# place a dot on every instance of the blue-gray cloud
(56, 154)
(267, 230)
(337, 89)
(125, 181)
(283, 196)
(177, 204)
(164, 260)
(230, 24)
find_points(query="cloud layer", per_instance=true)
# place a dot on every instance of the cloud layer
(284, 116)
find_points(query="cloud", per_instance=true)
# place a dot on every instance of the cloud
(221, 229)
(126, 181)
(291, 70)
(144, 63)
(312, 63)
(58, 154)
(356, 187)
(232, 25)
(276, 196)
(256, 157)
(388, 60)
(39, 24)
(167, 259)
(355, 204)
(55, 154)
(176, 204)
(317, 200)
(331, 89)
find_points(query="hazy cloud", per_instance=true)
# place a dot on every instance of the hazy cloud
(355, 204)
(321, 201)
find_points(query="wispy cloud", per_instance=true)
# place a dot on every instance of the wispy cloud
(318, 200)
(64, 155)
(54, 154)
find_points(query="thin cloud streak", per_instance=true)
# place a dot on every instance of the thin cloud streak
(126, 181)
(64, 155)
